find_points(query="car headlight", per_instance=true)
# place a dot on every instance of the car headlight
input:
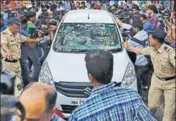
(129, 76)
(45, 75)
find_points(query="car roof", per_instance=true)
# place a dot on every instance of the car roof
(88, 16)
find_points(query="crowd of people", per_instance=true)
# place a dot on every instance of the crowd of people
(151, 47)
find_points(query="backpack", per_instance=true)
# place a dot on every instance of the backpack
(144, 44)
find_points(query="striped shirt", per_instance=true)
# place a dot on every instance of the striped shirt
(112, 103)
(56, 118)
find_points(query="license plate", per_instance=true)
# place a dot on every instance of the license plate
(77, 102)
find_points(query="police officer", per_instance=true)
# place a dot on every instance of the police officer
(10, 46)
(163, 78)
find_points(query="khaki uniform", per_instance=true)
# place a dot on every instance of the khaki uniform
(163, 80)
(14, 44)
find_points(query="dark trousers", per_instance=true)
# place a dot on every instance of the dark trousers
(143, 76)
(132, 56)
(30, 57)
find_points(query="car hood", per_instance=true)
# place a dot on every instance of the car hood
(71, 67)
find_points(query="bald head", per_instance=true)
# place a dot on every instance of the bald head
(38, 98)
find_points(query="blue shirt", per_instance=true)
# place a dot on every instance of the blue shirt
(4, 27)
(23, 32)
(147, 26)
(5, 17)
(112, 103)
(142, 35)
(67, 5)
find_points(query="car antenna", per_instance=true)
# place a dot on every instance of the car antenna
(88, 16)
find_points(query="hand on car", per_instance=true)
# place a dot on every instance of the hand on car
(125, 44)
(119, 22)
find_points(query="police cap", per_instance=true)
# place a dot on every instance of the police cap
(158, 34)
(14, 21)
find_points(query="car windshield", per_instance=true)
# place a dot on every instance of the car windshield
(80, 37)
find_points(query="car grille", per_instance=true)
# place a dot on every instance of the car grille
(68, 108)
(74, 89)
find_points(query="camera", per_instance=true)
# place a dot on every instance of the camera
(34, 32)
(12, 14)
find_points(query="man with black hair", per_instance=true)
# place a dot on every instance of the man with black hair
(147, 26)
(153, 18)
(166, 20)
(107, 101)
(22, 31)
(161, 8)
(83, 5)
(39, 100)
(24, 52)
(163, 78)
(135, 16)
(140, 40)
(31, 21)
(78, 6)
(30, 52)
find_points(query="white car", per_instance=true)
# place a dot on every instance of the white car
(64, 67)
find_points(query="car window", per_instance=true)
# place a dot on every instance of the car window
(78, 37)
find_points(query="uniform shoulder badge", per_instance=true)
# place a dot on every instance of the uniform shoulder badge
(168, 48)
(165, 48)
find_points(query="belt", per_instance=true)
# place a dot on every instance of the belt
(11, 61)
(166, 79)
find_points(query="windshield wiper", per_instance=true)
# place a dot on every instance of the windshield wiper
(78, 50)
(115, 50)
(85, 50)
